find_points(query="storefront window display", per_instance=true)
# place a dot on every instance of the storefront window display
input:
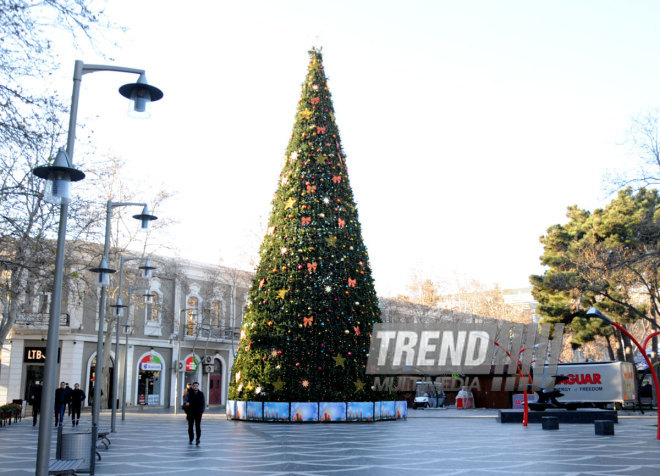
(149, 380)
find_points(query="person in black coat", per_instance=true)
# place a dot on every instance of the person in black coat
(61, 399)
(35, 400)
(77, 396)
(194, 403)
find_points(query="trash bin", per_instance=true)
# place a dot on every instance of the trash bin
(77, 445)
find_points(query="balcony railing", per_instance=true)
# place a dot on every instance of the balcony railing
(206, 332)
(41, 319)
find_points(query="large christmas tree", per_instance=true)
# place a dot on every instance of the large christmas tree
(312, 304)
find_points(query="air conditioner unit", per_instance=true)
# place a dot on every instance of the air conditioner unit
(208, 369)
(208, 359)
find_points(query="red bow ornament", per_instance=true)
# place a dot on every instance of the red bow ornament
(315, 100)
(357, 330)
(311, 267)
(307, 321)
(320, 129)
(352, 282)
(341, 222)
(306, 220)
(336, 179)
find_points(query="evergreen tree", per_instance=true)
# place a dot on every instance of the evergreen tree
(608, 258)
(312, 304)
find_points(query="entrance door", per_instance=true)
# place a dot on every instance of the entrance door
(215, 384)
(105, 391)
(33, 373)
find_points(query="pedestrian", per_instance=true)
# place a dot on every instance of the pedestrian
(186, 390)
(195, 403)
(35, 400)
(61, 399)
(68, 391)
(77, 396)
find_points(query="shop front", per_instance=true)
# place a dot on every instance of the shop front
(150, 379)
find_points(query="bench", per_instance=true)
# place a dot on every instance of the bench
(64, 466)
(103, 437)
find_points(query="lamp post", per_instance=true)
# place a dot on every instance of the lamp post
(103, 271)
(179, 369)
(127, 326)
(119, 307)
(593, 312)
(59, 174)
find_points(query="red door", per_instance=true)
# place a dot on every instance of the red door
(215, 389)
(215, 384)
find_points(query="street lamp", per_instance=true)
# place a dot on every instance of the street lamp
(119, 306)
(177, 387)
(127, 326)
(144, 217)
(61, 170)
(593, 312)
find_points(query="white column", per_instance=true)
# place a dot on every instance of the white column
(130, 376)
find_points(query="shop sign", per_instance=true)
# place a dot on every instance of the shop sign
(191, 364)
(151, 363)
(36, 355)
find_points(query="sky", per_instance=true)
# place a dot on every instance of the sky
(468, 126)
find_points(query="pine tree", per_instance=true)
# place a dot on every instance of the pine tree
(312, 304)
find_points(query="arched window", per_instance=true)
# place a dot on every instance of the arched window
(217, 314)
(192, 315)
(152, 308)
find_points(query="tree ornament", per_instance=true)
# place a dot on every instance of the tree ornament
(339, 360)
(307, 321)
(282, 293)
(306, 220)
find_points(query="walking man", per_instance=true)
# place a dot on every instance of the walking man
(77, 397)
(61, 399)
(35, 400)
(195, 404)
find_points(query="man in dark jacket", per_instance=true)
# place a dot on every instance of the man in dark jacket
(35, 400)
(61, 399)
(195, 404)
(77, 396)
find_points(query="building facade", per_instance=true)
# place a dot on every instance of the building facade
(187, 330)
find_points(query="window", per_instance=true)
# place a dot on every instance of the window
(217, 315)
(153, 308)
(191, 321)
(44, 300)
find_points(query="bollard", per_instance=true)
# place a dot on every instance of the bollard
(604, 427)
(550, 423)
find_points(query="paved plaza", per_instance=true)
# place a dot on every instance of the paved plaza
(451, 442)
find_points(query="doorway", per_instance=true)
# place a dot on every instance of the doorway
(33, 373)
(105, 390)
(215, 384)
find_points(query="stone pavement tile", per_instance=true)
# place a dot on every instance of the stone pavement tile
(157, 444)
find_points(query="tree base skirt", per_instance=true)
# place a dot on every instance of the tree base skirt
(316, 412)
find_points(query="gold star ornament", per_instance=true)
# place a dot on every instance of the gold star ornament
(359, 385)
(339, 360)
(281, 294)
(278, 384)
